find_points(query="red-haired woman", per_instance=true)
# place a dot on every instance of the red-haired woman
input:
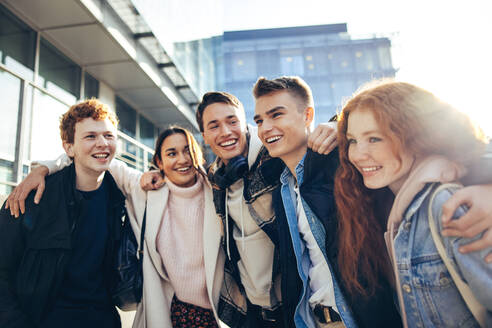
(396, 139)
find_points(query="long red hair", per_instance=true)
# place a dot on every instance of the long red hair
(414, 120)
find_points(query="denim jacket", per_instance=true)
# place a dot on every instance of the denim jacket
(428, 293)
(303, 314)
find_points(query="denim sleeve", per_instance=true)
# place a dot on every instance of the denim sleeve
(472, 267)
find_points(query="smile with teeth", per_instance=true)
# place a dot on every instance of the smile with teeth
(228, 143)
(184, 169)
(100, 155)
(273, 139)
(371, 169)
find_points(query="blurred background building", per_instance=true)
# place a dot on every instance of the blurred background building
(325, 56)
(151, 61)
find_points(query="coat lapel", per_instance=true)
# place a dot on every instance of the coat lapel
(156, 203)
(212, 250)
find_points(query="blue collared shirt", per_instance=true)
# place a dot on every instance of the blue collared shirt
(303, 316)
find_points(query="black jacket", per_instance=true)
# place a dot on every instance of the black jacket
(317, 190)
(34, 249)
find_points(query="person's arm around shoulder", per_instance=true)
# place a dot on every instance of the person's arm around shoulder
(477, 196)
(324, 138)
(35, 180)
(11, 250)
(127, 179)
(478, 219)
(471, 267)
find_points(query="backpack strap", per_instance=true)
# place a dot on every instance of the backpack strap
(142, 236)
(477, 309)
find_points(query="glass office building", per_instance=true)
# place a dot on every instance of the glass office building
(325, 56)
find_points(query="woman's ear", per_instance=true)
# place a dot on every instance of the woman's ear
(158, 162)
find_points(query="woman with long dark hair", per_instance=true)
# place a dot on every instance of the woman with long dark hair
(397, 144)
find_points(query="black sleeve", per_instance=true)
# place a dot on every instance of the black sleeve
(480, 172)
(11, 249)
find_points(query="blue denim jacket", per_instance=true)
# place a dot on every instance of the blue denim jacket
(430, 296)
(303, 315)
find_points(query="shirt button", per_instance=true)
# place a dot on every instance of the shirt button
(406, 288)
(408, 225)
(444, 281)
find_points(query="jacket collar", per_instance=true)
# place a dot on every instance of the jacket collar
(254, 145)
(286, 174)
(74, 196)
(427, 170)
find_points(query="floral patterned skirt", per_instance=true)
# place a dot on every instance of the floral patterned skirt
(186, 315)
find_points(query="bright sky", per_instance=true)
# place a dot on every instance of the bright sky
(444, 46)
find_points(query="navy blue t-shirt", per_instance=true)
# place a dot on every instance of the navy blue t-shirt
(84, 299)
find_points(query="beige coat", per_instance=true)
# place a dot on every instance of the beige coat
(154, 310)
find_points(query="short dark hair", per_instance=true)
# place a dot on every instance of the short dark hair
(294, 85)
(212, 98)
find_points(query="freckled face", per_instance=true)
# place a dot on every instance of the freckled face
(370, 151)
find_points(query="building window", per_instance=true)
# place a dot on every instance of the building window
(243, 66)
(365, 60)
(342, 60)
(91, 87)
(267, 63)
(58, 74)
(10, 95)
(45, 133)
(17, 44)
(317, 62)
(291, 63)
(127, 116)
(342, 90)
(384, 57)
(146, 132)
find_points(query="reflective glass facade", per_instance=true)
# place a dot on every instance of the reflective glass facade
(325, 56)
(185, 29)
(33, 99)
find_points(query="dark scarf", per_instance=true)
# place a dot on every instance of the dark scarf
(259, 182)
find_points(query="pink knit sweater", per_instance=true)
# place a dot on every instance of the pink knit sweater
(180, 243)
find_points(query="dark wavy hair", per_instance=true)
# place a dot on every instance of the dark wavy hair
(412, 119)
